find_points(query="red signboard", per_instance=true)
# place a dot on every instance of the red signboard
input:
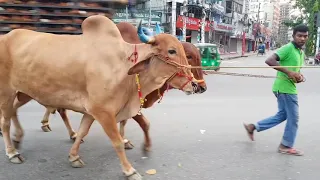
(192, 23)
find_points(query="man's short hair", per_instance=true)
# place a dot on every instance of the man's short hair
(300, 28)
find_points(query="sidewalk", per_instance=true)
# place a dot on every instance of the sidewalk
(229, 56)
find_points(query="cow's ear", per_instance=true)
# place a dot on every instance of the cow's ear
(140, 66)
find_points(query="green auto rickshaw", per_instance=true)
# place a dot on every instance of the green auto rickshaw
(210, 56)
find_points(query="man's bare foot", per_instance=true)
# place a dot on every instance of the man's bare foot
(250, 130)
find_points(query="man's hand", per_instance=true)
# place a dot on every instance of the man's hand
(296, 77)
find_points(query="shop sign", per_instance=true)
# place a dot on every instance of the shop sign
(219, 9)
(192, 23)
(223, 27)
(121, 15)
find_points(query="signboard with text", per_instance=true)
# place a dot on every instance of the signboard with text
(192, 23)
(223, 27)
(120, 16)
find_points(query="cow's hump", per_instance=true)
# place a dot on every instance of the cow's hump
(98, 25)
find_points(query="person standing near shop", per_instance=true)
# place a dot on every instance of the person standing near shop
(284, 88)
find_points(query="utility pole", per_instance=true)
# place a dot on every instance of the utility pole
(256, 44)
(149, 24)
(318, 31)
(318, 39)
(203, 22)
(127, 16)
(259, 13)
(174, 17)
(210, 25)
(183, 13)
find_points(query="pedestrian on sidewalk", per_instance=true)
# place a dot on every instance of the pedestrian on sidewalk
(284, 88)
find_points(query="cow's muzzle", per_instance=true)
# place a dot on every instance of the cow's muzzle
(201, 89)
(196, 87)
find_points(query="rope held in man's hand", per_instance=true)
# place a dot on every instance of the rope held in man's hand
(250, 67)
(249, 75)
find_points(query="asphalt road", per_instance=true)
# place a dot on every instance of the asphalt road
(194, 137)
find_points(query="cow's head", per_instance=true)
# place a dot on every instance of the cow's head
(193, 56)
(167, 60)
(194, 59)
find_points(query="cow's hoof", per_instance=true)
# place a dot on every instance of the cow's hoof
(46, 128)
(16, 144)
(76, 162)
(16, 159)
(0, 132)
(147, 148)
(128, 145)
(134, 176)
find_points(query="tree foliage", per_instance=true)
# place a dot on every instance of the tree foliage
(309, 8)
(294, 21)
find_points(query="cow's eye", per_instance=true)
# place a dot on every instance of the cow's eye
(189, 57)
(172, 52)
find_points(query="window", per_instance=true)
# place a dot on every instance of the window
(228, 6)
(227, 20)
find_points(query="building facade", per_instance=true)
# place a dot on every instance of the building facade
(227, 24)
(272, 20)
(285, 11)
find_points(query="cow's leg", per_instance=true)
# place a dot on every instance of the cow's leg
(109, 124)
(72, 133)
(127, 143)
(19, 101)
(45, 120)
(85, 125)
(6, 106)
(145, 126)
(0, 123)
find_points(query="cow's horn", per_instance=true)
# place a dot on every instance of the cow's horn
(158, 29)
(144, 38)
(146, 31)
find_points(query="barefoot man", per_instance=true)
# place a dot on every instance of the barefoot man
(284, 88)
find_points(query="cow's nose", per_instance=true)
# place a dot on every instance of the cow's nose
(203, 89)
(195, 87)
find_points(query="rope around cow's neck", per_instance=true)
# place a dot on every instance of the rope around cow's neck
(139, 93)
(134, 58)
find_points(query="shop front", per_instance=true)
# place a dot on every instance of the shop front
(221, 35)
(244, 42)
(192, 27)
(249, 42)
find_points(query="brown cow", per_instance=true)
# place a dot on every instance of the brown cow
(91, 74)
(128, 32)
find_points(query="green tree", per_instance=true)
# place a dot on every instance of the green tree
(309, 8)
